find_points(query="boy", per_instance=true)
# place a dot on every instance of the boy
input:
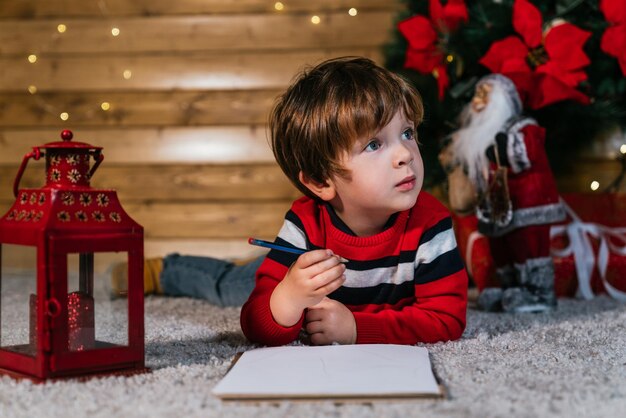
(344, 134)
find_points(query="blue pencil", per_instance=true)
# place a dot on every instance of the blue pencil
(274, 246)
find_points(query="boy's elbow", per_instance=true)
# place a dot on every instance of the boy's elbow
(458, 322)
(451, 332)
(457, 331)
(453, 327)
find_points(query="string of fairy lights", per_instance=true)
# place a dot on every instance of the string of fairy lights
(315, 19)
(127, 73)
(64, 116)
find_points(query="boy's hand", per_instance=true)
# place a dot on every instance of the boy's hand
(330, 322)
(314, 275)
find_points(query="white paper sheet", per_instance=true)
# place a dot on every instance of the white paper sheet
(370, 370)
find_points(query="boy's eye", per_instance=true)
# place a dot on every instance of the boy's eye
(408, 134)
(372, 146)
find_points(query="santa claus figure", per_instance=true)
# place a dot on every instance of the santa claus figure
(503, 155)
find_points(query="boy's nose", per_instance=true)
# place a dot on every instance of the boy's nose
(404, 155)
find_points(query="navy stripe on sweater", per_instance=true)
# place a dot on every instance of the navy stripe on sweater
(446, 264)
(377, 295)
(430, 233)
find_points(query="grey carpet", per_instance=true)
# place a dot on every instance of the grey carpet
(571, 363)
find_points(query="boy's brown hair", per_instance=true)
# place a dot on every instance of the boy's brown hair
(328, 108)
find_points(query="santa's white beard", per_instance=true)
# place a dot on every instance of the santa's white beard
(479, 132)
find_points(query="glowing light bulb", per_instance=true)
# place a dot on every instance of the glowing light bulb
(64, 116)
(352, 12)
(105, 106)
(449, 57)
(595, 185)
(115, 31)
(622, 149)
(32, 89)
(279, 6)
(61, 28)
(127, 74)
(32, 58)
(315, 20)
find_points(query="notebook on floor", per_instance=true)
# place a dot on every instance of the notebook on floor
(369, 371)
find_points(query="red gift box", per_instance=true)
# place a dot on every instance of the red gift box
(590, 244)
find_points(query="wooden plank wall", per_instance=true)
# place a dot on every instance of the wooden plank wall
(184, 138)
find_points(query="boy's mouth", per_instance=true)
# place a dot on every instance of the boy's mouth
(407, 183)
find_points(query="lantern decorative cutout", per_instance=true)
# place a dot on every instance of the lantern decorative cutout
(61, 321)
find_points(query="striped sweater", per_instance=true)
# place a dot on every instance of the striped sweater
(404, 285)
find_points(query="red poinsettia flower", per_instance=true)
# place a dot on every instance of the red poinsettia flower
(422, 34)
(614, 38)
(448, 18)
(545, 66)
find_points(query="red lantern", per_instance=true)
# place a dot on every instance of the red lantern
(50, 324)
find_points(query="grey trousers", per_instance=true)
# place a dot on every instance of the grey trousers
(218, 281)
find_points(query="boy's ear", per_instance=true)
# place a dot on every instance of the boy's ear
(325, 191)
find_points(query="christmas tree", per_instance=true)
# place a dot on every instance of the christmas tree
(568, 56)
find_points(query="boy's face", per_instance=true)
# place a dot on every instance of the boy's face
(385, 174)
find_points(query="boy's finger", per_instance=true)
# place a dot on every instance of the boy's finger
(311, 258)
(314, 327)
(326, 268)
(332, 285)
(327, 275)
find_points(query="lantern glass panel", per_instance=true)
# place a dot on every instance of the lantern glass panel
(95, 320)
(18, 290)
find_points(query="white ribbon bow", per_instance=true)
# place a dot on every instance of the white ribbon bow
(579, 234)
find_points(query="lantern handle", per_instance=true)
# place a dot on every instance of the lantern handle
(36, 154)
(98, 156)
